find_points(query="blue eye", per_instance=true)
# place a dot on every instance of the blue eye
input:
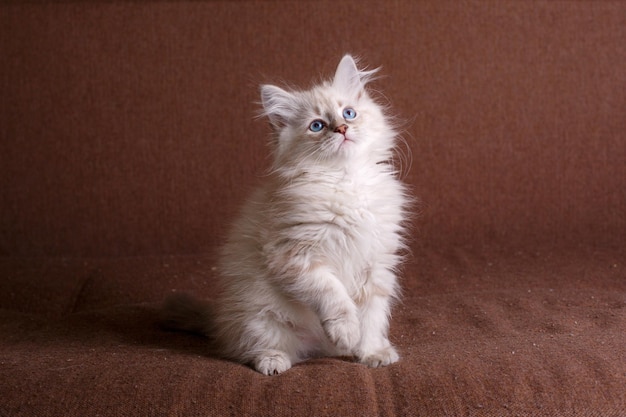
(349, 113)
(316, 126)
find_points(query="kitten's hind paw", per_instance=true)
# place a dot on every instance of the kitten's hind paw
(383, 357)
(272, 362)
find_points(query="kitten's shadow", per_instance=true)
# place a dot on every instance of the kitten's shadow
(135, 325)
(141, 326)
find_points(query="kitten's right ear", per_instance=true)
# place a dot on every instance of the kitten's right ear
(278, 104)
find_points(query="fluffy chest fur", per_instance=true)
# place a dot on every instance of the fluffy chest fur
(347, 220)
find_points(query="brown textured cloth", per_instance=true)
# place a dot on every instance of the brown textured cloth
(128, 141)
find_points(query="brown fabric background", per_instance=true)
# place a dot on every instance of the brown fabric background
(128, 140)
(128, 126)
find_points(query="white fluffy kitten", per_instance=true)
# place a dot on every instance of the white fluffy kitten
(309, 266)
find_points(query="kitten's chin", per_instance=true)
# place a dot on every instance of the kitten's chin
(345, 144)
(346, 149)
(346, 140)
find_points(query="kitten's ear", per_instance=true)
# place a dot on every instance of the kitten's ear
(278, 104)
(348, 78)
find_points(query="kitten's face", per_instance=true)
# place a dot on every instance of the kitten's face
(334, 122)
(330, 125)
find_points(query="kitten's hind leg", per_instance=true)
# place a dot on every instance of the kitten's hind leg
(272, 362)
(272, 345)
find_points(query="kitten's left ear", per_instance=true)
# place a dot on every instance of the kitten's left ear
(348, 78)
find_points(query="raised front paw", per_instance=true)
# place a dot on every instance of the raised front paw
(344, 332)
(381, 357)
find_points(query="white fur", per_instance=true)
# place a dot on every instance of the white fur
(309, 266)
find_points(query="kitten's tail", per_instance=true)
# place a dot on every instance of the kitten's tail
(183, 312)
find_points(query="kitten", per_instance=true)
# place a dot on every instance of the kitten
(309, 267)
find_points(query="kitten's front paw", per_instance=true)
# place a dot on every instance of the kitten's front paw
(344, 332)
(382, 357)
(272, 362)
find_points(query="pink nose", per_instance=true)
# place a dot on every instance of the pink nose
(341, 129)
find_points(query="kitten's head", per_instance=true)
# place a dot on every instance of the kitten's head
(335, 123)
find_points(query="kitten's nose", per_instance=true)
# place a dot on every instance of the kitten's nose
(341, 129)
